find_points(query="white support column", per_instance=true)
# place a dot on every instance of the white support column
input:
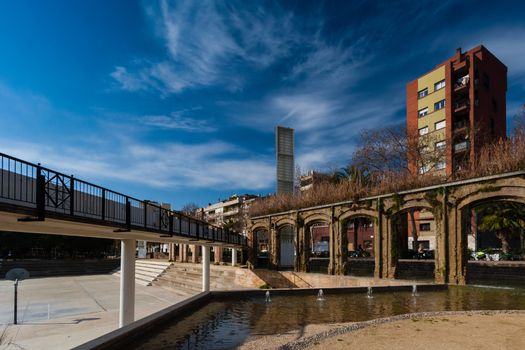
(194, 253)
(205, 268)
(234, 256)
(127, 282)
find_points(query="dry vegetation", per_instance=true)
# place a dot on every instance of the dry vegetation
(362, 181)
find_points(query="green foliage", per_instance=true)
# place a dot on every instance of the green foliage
(399, 201)
(502, 217)
(489, 188)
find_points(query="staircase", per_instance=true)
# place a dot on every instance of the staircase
(186, 279)
(146, 271)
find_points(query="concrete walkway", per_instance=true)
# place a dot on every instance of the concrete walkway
(62, 312)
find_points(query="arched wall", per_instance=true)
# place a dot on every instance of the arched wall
(447, 204)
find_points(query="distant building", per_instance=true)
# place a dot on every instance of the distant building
(234, 209)
(284, 149)
(311, 179)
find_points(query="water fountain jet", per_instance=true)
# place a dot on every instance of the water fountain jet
(369, 293)
(320, 295)
(414, 291)
(267, 297)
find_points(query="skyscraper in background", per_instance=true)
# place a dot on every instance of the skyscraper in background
(284, 149)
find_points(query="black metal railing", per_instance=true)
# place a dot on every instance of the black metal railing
(44, 191)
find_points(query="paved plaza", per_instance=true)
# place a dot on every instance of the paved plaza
(62, 312)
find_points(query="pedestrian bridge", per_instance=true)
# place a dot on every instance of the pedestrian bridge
(36, 199)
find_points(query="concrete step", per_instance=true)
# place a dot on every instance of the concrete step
(178, 290)
(188, 286)
(152, 263)
(146, 271)
(156, 270)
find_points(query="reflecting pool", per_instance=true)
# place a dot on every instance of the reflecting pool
(225, 324)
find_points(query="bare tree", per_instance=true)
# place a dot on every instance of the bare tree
(191, 209)
(393, 149)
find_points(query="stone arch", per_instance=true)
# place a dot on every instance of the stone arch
(283, 222)
(260, 226)
(349, 216)
(408, 229)
(316, 244)
(508, 193)
(261, 245)
(285, 239)
(464, 233)
(315, 218)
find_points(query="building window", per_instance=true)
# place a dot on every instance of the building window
(423, 169)
(440, 165)
(439, 105)
(440, 125)
(422, 93)
(439, 85)
(486, 80)
(441, 145)
(424, 226)
(423, 112)
(494, 105)
(423, 131)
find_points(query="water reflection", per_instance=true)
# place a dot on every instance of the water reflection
(223, 325)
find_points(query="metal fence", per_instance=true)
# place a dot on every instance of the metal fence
(47, 192)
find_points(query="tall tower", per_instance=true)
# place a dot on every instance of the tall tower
(462, 105)
(284, 149)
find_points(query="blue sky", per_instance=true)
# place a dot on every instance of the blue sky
(177, 101)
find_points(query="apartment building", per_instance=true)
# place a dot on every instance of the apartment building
(454, 110)
(233, 209)
(461, 104)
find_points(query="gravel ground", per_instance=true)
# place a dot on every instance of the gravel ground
(447, 330)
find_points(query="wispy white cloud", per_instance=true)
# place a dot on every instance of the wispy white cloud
(177, 120)
(206, 42)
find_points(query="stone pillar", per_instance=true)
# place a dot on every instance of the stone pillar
(127, 282)
(234, 256)
(441, 252)
(457, 245)
(334, 254)
(205, 268)
(390, 233)
(341, 244)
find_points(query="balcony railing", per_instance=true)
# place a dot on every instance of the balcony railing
(462, 83)
(461, 124)
(461, 146)
(461, 106)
